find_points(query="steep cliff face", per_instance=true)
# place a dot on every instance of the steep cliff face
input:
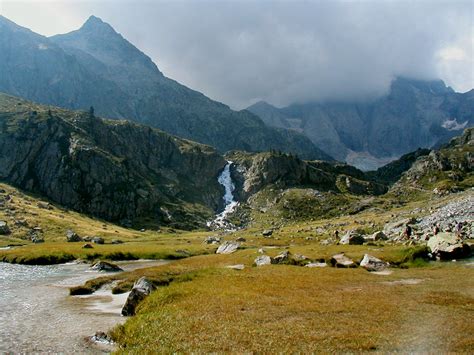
(111, 169)
(253, 172)
(96, 66)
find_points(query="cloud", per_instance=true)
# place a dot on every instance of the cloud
(239, 52)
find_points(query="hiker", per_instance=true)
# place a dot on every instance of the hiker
(458, 229)
(336, 234)
(407, 231)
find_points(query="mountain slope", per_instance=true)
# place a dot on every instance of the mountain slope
(110, 169)
(96, 66)
(414, 114)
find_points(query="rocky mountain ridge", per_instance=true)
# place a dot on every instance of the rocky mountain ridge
(115, 170)
(414, 114)
(96, 66)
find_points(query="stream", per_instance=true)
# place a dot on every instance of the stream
(38, 315)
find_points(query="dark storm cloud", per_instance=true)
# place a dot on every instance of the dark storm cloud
(239, 52)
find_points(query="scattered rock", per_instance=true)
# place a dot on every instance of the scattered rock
(116, 241)
(267, 232)
(87, 246)
(240, 239)
(282, 258)
(342, 261)
(228, 248)
(142, 288)
(21, 223)
(236, 267)
(263, 260)
(447, 246)
(36, 239)
(212, 239)
(105, 266)
(97, 240)
(316, 264)
(72, 236)
(371, 263)
(261, 251)
(101, 338)
(376, 236)
(4, 229)
(352, 237)
(44, 205)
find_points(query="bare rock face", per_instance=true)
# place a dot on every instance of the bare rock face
(371, 263)
(447, 246)
(108, 169)
(141, 289)
(342, 261)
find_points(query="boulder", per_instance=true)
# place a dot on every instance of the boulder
(72, 236)
(371, 263)
(87, 246)
(267, 232)
(44, 205)
(376, 236)
(352, 237)
(316, 264)
(448, 246)
(36, 239)
(212, 239)
(228, 248)
(342, 261)
(142, 288)
(116, 241)
(263, 260)
(236, 267)
(97, 240)
(282, 258)
(106, 267)
(101, 338)
(4, 229)
(240, 239)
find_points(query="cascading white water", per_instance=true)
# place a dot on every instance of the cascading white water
(225, 179)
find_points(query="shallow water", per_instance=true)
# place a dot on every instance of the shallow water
(38, 315)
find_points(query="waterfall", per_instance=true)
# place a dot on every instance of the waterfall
(225, 179)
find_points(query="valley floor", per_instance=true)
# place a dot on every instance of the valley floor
(204, 306)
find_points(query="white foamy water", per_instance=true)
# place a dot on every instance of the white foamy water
(38, 315)
(225, 179)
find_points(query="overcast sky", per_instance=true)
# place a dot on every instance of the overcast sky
(239, 52)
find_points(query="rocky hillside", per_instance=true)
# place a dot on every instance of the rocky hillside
(448, 169)
(414, 114)
(96, 66)
(115, 170)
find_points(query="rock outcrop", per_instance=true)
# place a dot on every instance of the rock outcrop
(141, 289)
(228, 248)
(371, 263)
(342, 261)
(106, 267)
(114, 170)
(447, 246)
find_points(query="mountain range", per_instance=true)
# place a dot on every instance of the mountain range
(414, 114)
(95, 66)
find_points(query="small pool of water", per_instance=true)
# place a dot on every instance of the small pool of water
(38, 315)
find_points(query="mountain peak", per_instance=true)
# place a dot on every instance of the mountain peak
(95, 24)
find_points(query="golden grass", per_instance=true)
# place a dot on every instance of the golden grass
(282, 308)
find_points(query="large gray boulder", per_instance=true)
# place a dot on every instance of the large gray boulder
(282, 258)
(263, 260)
(448, 246)
(97, 240)
(342, 261)
(228, 248)
(4, 229)
(376, 236)
(352, 237)
(142, 288)
(371, 263)
(72, 236)
(106, 267)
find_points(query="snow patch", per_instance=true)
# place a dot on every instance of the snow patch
(453, 125)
